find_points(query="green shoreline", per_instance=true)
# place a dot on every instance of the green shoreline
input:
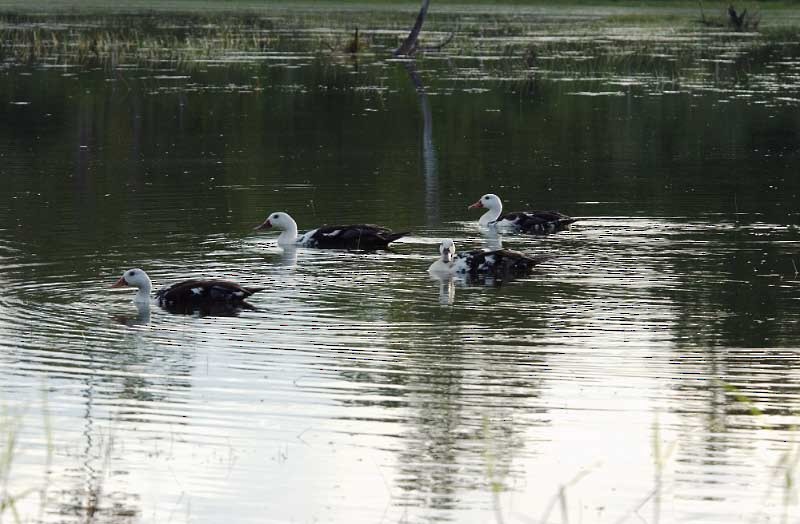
(449, 5)
(775, 15)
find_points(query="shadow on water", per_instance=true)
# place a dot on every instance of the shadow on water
(143, 315)
(213, 309)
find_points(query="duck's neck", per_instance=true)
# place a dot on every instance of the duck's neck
(143, 295)
(490, 216)
(143, 309)
(289, 235)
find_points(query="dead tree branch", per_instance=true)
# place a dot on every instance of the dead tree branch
(409, 45)
(737, 21)
(745, 21)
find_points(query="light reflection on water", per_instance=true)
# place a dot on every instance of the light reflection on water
(352, 379)
(646, 370)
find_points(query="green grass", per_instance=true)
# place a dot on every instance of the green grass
(10, 428)
(180, 39)
(52, 6)
(675, 14)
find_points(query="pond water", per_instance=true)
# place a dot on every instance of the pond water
(645, 373)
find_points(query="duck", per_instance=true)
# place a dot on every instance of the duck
(367, 237)
(188, 293)
(497, 263)
(533, 222)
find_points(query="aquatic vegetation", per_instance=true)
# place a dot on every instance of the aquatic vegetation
(11, 446)
(610, 53)
(112, 42)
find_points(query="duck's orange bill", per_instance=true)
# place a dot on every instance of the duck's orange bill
(120, 283)
(265, 225)
(476, 204)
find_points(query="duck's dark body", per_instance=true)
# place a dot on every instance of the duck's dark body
(536, 222)
(500, 263)
(208, 309)
(366, 237)
(201, 292)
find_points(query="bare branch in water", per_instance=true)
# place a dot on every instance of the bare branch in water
(409, 45)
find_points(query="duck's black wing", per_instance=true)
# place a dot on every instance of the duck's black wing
(357, 236)
(537, 222)
(499, 263)
(201, 291)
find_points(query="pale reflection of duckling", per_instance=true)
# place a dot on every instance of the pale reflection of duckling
(447, 291)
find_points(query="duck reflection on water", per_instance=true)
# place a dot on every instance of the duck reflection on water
(142, 317)
(288, 256)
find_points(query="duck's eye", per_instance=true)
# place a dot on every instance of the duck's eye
(486, 197)
(274, 217)
(131, 273)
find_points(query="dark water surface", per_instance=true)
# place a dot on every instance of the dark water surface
(645, 373)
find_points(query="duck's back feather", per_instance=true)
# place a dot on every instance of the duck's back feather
(536, 222)
(201, 291)
(499, 263)
(357, 236)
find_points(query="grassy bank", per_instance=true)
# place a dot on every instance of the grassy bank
(185, 31)
(449, 5)
(675, 14)
(667, 13)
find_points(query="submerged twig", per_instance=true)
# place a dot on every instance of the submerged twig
(355, 45)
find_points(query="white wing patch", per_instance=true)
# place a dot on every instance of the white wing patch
(306, 238)
(460, 265)
(505, 223)
(333, 233)
(197, 290)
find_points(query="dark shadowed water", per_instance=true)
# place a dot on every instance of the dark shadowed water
(646, 373)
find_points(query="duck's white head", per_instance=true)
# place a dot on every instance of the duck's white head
(136, 278)
(493, 204)
(284, 222)
(444, 265)
(448, 250)
(279, 220)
